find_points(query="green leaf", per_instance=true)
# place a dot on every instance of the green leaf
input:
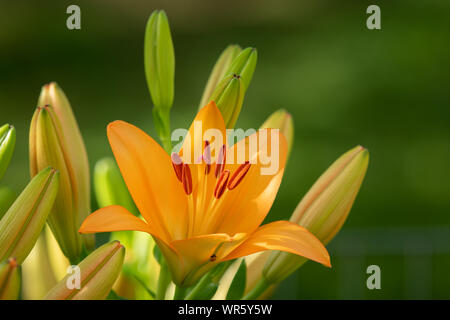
(237, 287)
(114, 296)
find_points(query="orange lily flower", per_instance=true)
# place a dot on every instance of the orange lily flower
(203, 213)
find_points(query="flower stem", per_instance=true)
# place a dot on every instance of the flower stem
(180, 293)
(163, 281)
(257, 290)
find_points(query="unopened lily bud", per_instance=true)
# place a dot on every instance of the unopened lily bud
(159, 60)
(75, 155)
(48, 147)
(244, 65)
(219, 71)
(94, 277)
(7, 197)
(23, 222)
(110, 188)
(7, 143)
(9, 280)
(324, 209)
(229, 96)
(281, 120)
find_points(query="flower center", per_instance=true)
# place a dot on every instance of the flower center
(204, 208)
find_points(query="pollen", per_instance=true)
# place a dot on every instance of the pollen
(221, 184)
(238, 175)
(221, 159)
(186, 179)
(177, 164)
(213, 258)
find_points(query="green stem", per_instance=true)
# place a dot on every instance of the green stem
(180, 293)
(163, 280)
(257, 290)
(161, 120)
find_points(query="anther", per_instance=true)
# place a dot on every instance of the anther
(221, 159)
(213, 258)
(221, 184)
(186, 179)
(238, 175)
(177, 164)
(207, 157)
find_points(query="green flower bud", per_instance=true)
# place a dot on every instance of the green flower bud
(109, 187)
(7, 143)
(94, 277)
(10, 280)
(281, 120)
(229, 96)
(7, 197)
(244, 65)
(23, 222)
(219, 71)
(159, 60)
(75, 154)
(48, 147)
(324, 209)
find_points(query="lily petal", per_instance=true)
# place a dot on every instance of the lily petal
(113, 218)
(149, 176)
(283, 236)
(247, 205)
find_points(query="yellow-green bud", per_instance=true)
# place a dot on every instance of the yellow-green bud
(244, 65)
(324, 209)
(281, 120)
(23, 222)
(9, 280)
(48, 147)
(94, 277)
(229, 96)
(109, 187)
(219, 71)
(7, 142)
(159, 60)
(75, 154)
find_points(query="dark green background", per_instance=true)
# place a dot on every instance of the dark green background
(345, 85)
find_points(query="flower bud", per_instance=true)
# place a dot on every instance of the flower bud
(324, 209)
(48, 147)
(75, 155)
(109, 187)
(219, 71)
(94, 277)
(7, 142)
(159, 60)
(23, 222)
(281, 120)
(229, 96)
(7, 197)
(244, 65)
(9, 280)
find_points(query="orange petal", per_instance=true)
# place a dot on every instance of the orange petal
(113, 218)
(208, 125)
(283, 236)
(150, 178)
(246, 206)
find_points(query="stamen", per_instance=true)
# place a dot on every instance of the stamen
(186, 179)
(221, 184)
(207, 157)
(177, 164)
(238, 175)
(221, 159)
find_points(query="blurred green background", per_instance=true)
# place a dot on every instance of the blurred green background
(345, 85)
